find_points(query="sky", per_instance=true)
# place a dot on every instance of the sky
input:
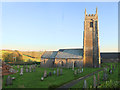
(56, 25)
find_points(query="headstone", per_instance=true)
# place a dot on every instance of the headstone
(112, 67)
(29, 68)
(85, 84)
(9, 81)
(73, 66)
(50, 74)
(18, 66)
(82, 69)
(21, 71)
(57, 71)
(78, 71)
(110, 71)
(42, 78)
(26, 69)
(54, 72)
(45, 74)
(98, 80)
(61, 71)
(104, 76)
(94, 82)
(75, 72)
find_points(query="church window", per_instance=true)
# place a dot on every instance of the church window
(91, 24)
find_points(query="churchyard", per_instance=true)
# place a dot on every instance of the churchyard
(102, 79)
(29, 77)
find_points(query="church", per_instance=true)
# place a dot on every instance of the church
(88, 56)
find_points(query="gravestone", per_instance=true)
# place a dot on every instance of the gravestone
(112, 67)
(45, 74)
(82, 69)
(104, 76)
(61, 71)
(54, 72)
(110, 71)
(75, 72)
(18, 66)
(94, 82)
(9, 81)
(26, 69)
(78, 71)
(21, 71)
(29, 68)
(98, 80)
(85, 84)
(57, 71)
(50, 74)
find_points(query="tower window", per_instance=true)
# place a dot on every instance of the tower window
(91, 24)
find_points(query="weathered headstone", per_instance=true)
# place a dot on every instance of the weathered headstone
(50, 74)
(57, 71)
(98, 80)
(85, 84)
(26, 69)
(82, 69)
(104, 76)
(9, 81)
(94, 82)
(78, 71)
(75, 72)
(18, 66)
(45, 74)
(29, 68)
(54, 72)
(73, 66)
(110, 71)
(61, 71)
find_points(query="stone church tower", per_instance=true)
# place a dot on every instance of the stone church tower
(91, 50)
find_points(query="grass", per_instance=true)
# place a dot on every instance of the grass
(113, 77)
(33, 79)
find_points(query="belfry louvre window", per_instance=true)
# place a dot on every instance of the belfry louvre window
(91, 24)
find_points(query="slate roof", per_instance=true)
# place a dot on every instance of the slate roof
(70, 53)
(49, 54)
(109, 55)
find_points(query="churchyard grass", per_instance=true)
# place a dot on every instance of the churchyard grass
(111, 77)
(33, 79)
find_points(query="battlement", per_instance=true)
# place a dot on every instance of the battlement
(90, 15)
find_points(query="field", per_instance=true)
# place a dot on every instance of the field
(33, 79)
(26, 55)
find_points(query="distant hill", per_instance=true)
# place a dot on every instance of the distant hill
(25, 55)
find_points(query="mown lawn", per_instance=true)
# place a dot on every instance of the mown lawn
(113, 77)
(33, 79)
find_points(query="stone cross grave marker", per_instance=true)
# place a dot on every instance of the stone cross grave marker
(85, 84)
